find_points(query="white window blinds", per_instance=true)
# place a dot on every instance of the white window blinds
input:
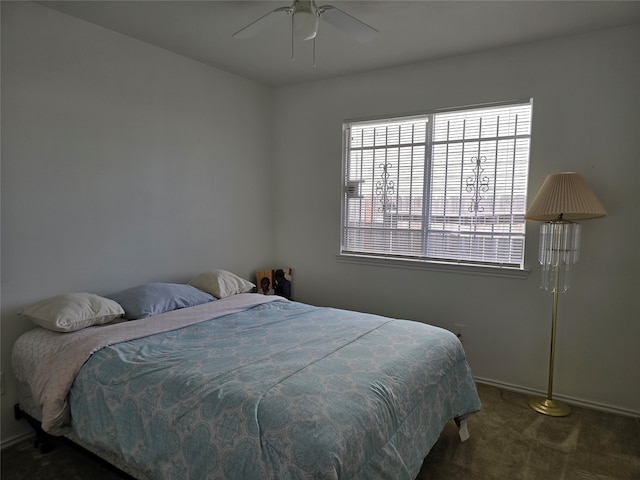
(445, 187)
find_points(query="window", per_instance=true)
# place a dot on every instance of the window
(445, 187)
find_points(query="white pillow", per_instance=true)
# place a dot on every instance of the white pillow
(221, 283)
(72, 311)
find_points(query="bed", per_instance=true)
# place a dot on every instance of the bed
(248, 386)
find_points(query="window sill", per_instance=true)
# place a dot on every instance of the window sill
(465, 269)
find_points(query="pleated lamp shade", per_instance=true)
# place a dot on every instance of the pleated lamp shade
(565, 196)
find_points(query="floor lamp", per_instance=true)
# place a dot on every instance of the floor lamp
(562, 199)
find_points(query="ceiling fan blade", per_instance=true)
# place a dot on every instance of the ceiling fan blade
(262, 23)
(348, 24)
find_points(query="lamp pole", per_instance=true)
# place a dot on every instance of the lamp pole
(549, 406)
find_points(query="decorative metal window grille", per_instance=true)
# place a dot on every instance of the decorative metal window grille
(444, 187)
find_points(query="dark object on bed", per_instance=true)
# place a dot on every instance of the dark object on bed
(250, 386)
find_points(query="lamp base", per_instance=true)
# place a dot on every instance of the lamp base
(553, 408)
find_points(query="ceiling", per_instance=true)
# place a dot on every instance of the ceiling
(410, 31)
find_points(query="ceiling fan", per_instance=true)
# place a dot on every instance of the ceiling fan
(305, 19)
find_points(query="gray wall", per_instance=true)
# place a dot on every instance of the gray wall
(121, 164)
(586, 118)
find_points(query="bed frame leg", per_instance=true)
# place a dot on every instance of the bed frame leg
(43, 440)
(463, 428)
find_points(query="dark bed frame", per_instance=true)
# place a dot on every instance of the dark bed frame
(46, 442)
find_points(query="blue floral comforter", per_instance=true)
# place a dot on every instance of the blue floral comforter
(282, 390)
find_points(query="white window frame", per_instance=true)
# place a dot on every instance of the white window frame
(416, 234)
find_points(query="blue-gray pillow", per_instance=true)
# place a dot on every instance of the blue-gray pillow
(155, 298)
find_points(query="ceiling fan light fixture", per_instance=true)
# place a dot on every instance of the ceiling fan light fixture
(305, 25)
(305, 19)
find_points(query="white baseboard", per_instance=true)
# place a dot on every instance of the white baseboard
(570, 400)
(17, 439)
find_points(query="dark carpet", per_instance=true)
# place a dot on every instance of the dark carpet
(509, 441)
